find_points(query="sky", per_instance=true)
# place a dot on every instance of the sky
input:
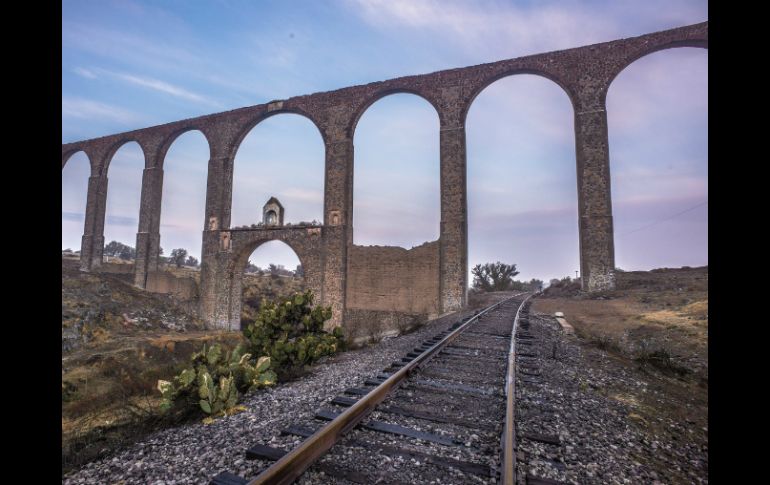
(132, 64)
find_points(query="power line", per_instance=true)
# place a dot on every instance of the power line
(665, 218)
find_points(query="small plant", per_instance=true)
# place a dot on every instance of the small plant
(213, 382)
(607, 343)
(662, 360)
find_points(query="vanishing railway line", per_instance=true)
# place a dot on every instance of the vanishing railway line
(443, 414)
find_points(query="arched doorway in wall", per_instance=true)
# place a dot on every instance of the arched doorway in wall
(183, 204)
(396, 188)
(283, 156)
(522, 182)
(657, 113)
(121, 220)
(74, 191)
(272, 270)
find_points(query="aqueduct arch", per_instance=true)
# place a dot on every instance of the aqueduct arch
(585, 73)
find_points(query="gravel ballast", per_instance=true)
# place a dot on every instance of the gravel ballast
(585, 396)
(576, 393)
(194, 453)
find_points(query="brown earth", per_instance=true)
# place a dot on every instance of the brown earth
(654, 327)
(117, 341)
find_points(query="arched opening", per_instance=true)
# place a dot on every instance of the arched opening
(396, 188)
(283, 157)
(121, 220)
(522, 186)
(272, 270)
(183, 205)
(657, 113)
(74, 195)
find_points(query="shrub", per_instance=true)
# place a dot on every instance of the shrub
(292, 334)
(662, 360)
(214, 380)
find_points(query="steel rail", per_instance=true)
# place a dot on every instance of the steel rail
(508, 439)
(292, 465)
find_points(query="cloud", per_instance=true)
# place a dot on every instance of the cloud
(112, 45)
(167, 88)
(80, 71)
(121, 220)
(73, 216)
(93, 110)
(479, 29)
(505, 30)
(304, 195)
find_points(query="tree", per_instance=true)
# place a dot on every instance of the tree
(273, 269)
(299, 272)
(252, 268)
(178, 257)
(119, 250)
(494, 276)
(191, 261)
(535, 284)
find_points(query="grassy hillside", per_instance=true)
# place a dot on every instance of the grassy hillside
(117, 341)
(659, 317)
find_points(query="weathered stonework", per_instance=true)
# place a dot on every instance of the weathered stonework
(585, 74)
(394, 279)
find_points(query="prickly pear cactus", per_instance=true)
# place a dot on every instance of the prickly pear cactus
(214, 381)
(291, 332)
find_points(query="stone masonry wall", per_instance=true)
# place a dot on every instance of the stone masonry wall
(394, 279)
(184, 288)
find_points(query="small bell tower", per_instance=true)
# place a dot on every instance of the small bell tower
(272, 213)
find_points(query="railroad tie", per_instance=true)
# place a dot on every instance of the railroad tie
(542, 481)
(263, 452)
(383, 427)
(463, 466)
(344, 401)
(357, 391)
(227, 478)
(297, 430)
(269, 453)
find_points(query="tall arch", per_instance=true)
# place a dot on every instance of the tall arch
(281, 156)
(185, 167)
(658, 124)
(124, 169)
(396, 188)
(522, 187)
(75, 174)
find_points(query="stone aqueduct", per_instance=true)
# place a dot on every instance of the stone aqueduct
(365, 283)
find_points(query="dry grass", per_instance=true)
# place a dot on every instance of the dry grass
(109, 379)
(659, 318)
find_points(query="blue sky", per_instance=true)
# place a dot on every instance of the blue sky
(131, 64)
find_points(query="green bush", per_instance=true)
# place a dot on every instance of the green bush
(214, 380)
(288, 334)
(292, 333)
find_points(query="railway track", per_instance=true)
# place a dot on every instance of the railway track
(441, 414)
